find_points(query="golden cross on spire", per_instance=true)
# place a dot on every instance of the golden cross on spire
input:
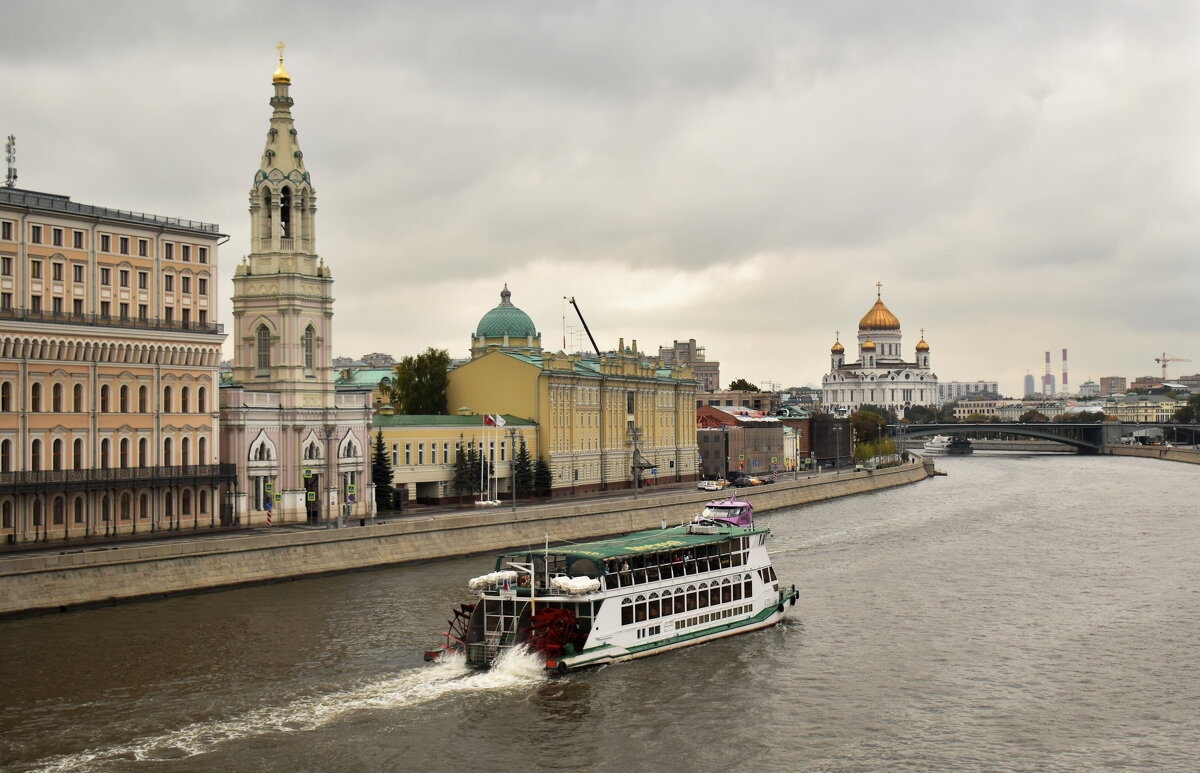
(281, 46)
(837, 335)
(922, 334)
(878, 285)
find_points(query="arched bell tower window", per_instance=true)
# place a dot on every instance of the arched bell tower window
(285, 213)
(310, 342)
(266, 221)
(263, 345)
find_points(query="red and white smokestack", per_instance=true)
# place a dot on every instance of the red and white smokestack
(1047, 379)
(1064, 381)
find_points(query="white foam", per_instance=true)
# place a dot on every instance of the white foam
(420, 685)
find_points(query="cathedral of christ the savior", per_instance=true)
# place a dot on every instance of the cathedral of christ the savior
(882, 376)
(301, 443)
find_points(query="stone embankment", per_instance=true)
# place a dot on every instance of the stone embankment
(68, 579)
(1171, 454)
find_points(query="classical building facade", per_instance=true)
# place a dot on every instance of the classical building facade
(881, 375)
(596, 418)
(108, 370)
(301, 445)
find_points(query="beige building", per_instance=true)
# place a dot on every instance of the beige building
(708, 372)
(595, 417)
(108, 370)
(986, 406)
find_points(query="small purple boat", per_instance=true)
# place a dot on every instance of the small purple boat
(728, 512)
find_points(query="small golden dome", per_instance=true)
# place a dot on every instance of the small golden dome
(837, 348)
(922, 346)
(869, 346)
(281, 74)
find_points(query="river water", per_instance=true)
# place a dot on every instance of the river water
(1029, 613)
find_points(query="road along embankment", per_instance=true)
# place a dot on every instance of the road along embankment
(1169, 453)
(68, 579)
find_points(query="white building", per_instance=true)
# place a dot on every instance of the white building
(949, 391)
(881, 376)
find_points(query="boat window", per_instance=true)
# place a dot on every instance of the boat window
(726, 592)
(737, 592)
(626, 611)
(680, 601)
(748, 587)
(652, 607)
(714, 595)
(639, 610)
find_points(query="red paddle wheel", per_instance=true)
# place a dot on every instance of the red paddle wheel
(550, 630)
(456, 636)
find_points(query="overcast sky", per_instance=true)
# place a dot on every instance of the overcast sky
(1019, 176)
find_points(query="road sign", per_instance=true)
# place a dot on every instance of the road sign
(774, 459)
(267, 505)
(775, 467)
(307, 472)
(268, 486)
(741, 457)
(350, 498)
(279, 497)
(312, 496)
(653, 470)
(351, 488)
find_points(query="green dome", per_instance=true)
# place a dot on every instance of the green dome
(505, 319)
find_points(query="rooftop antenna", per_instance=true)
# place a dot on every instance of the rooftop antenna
(10, 157)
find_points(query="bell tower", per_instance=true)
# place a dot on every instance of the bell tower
(283, 291)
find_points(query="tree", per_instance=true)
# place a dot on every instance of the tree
(1033, 416)
(542, 478)
(462, 473)
(419, 387)
(922, 414)
(977, 418)
(868, 425)
(523, 471)
(1080, 417)
(888, 414)
(742, 385)
(1189, 413)
(381, 473)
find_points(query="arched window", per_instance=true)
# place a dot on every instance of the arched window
(37, 512)
(104, 453)
(35, 397)
(56, 395)
(285, 212)
(35, 455)
(123, 399)
(202, 400)
(105, 509)
(5, 456)
(310, 342)
(124, 452)
(104, 399)
(267, 216)
(166, 403)
(185, 452)
(6, 396)
(126, 507)
(263, 343)
(143, 507)
(168, 505)
(143, 446)
(56, 454)
(78, 517)
(77, 454)
(202, 451)
(142, 395)
(77, 398)
(185, 502)
(167, 451)
(203, 497)
(184, 396)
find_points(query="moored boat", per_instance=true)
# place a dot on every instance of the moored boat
(588, 604)
(959, 446)
(937, 444)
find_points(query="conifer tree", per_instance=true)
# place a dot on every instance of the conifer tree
(463, 474)
(542, 477)
(523, 471)
(381, 473)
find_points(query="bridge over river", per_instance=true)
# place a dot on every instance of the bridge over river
(1085, 438)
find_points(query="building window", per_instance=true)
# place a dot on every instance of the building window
(104, 399)
(263, 342)
(77, 306)
(124, 310)
(105, 243)
(143, 311)
(124, 398)
(202, 400)
(123, 277)
(6, 396)
(35, 234)
(56, 398)
(6, 266)
(203, 252)
(56, 271)
(77, 239)
(169, 282)
(56, 236)
(35, 397)
(143, 393)
(143, 247)
(106, 276)
(35, 455)
(105, 308)
(35, 269)
(123, 242)
(6, 459)
(56, 305)
(168, 250)
(187, 316)
(309, 347)
(408, 454)
(185, 284)
(77, 274)
(166, 401)
(203, 317)
(77, 398)
(186, 250)
(420, 453)
(6, 230)
(77, 454)
(202, 286)
(35, 303)
(169, 314)
(143, 280)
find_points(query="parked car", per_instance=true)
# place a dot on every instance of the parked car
(711, 485)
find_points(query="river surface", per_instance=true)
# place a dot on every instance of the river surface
(1027, 613)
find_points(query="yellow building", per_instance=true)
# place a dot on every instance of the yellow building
(423, 451)
(594, 415)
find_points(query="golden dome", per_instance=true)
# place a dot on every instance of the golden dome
(922, 347)
(281, 75)
(837, 348)
(879, 318)
(869, 346)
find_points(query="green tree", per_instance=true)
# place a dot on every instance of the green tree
(868, 425)
(1033, 416)
(523, 471)
(381, 473)
(742, 385)
(1190, 413)
(888, 414)
(542, 477)
(420, 383)
(462, 473)
(1082, 417)
(923, 414)
(977, 418)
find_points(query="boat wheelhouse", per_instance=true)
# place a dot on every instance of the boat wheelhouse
(600, 602)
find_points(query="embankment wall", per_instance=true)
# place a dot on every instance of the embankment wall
(1186, 455)
(47, 582)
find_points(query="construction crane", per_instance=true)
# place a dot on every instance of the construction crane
(1165, 359)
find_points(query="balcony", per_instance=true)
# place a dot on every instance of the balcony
(57, 481)
(102, 320)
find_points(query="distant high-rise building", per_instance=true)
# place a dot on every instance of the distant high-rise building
(1030, 385)
(1112, 385)
(708, 374)
(956, 390)
(1089, 389)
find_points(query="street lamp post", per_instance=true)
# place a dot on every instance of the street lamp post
(635, 435)
(327, 433)
(837, 448)
(512, 462)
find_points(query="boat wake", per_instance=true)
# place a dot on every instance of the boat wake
(417, 686)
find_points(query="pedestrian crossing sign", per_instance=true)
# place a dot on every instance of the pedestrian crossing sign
(312, 496)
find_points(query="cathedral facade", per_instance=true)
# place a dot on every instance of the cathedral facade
(301, 445)
(881, 376)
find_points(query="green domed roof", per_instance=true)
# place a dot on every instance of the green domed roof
(505, 319)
